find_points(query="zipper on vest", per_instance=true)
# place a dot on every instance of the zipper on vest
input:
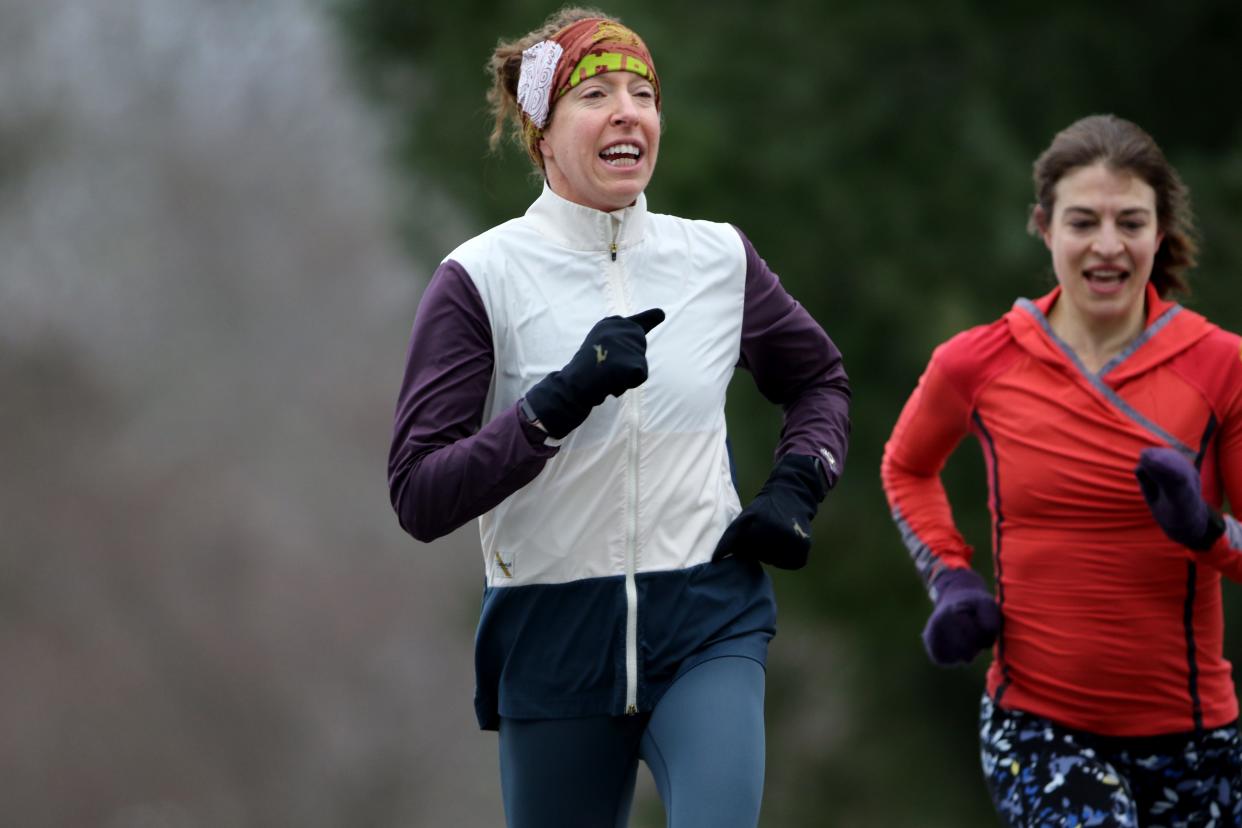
(629, 408)
(631, 555)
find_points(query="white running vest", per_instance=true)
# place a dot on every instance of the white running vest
(644, 484)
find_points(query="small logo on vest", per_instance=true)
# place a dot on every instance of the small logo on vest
(600, 354)
(504, 567)
(799, 531)
(828, 456)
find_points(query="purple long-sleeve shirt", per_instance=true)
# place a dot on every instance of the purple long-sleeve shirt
(446, 467)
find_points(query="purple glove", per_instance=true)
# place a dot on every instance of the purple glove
(964, 621)
(1170, 484)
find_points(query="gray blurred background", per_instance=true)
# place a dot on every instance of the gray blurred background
(208, 614)
(216, 217)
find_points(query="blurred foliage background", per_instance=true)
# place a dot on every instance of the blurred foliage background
(878, 154)
(215, 220)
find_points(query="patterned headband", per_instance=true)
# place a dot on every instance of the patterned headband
(581, 50)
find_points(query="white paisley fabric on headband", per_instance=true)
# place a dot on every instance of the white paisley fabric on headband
(534, 89)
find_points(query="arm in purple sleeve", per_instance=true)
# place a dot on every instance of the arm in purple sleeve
(797, 366)
(445, 467)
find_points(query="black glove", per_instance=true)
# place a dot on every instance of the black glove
(776, 527)
(612, 360)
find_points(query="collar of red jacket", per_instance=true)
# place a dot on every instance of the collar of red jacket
(1169, 330)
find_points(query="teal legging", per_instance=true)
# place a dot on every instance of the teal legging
(703, 744)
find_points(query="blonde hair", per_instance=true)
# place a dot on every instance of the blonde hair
(505, 66)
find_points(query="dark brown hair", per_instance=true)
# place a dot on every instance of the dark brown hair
(1123, 147)
(505, 66)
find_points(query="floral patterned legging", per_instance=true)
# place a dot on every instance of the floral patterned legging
(1042, 775)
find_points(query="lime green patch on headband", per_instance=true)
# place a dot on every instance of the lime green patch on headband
(592, 64)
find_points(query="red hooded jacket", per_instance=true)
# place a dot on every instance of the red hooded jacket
(1108, 626)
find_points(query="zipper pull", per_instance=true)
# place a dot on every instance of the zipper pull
(613, 249)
